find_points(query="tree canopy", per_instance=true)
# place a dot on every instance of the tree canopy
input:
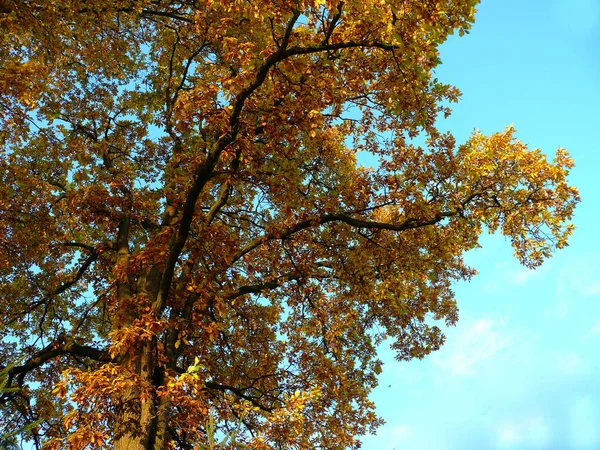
(188, 243)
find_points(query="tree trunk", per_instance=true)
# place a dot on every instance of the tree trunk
(141, 420)
(141, 417)
(134, 414)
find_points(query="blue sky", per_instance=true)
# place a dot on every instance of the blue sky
(521, 369)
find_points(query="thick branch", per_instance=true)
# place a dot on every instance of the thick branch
(327, 47)
(343, 218)
(89, 248)
(170, 15)
(60, 347)
(258, 288)
(272, 284)
(205, 171)
(334, 21)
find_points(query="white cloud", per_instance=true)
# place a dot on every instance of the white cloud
(561, 308)
(400, 371)
(584, 419)
(520, 276)
(401, 432)
(509, 434)
(531, 432)
(576, 279)
(570, 363)
(538, 431)
(510, 273)
(591, 288)
(393, 437)
(594, 331)
(471, 346)
(580, 276)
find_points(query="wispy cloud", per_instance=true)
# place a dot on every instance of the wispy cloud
(579, 276)
(508, 274)
(531, 431)
(591, 288)
(520, 276)
(576, 279)
(472, 345)
(584, 419)
(401, 432)
(593, 332)
(570, 363)
(395, 437)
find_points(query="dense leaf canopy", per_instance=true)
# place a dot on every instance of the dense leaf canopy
(187, 238)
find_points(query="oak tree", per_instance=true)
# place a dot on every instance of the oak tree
(188, 242)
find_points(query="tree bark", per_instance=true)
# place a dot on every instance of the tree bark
(141, 420)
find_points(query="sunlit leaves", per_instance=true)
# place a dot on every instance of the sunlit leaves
(189, 245)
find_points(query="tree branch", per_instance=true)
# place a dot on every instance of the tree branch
(238, 392)
(334, 20)
(89, 248)
(225, 190)
(343, 218)
(205, 171)
(170, 15)
(64, 345)
(84, 267)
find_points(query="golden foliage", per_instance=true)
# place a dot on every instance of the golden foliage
(185, 227)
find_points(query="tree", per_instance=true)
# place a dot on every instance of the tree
(186, 231)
